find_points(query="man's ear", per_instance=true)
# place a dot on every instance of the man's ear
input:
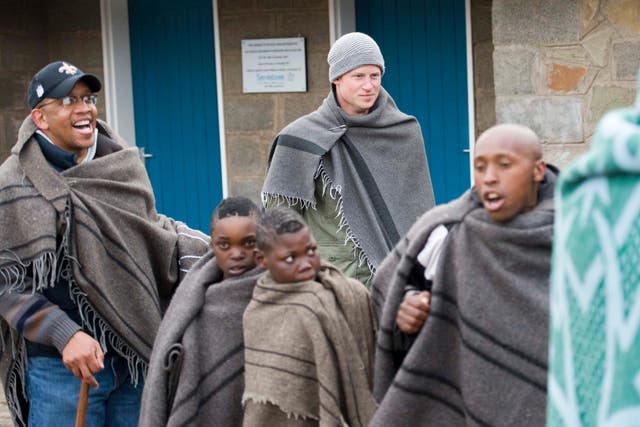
(258, 256)
(539, 168)
(40, 120)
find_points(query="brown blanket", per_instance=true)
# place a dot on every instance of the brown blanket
(309, 351)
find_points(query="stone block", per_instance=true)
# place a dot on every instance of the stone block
(513, 69)
(313, 4)
(20, 17)
(606, 98)
(247, 187)
(564, 78)
(561, 155)
(572, 53)
(597, 44)
(10, 122)
(485, 112)
(534, 22)
(12, 94)
(483, 66)
(245, 154)
(23, 53)
(626, 59)
(313, 26)
(317, 72)
(82, 49)
(231, 6)
(233, 29)
(554, 119)
(624, 14)
(481, 21)
(72, 15)
(588, 12)
(232, 73)
(273, 4)
(300, 104)
(249, 112)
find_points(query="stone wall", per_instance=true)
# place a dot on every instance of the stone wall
(33, 33)
(252, 120)
(482, 45)
(559, 65)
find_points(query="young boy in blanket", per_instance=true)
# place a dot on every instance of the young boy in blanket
(196, 369)
(465, 301)
(309, 334)
(507, 167)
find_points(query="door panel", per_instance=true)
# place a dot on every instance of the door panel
(175, 104)
(424, 47)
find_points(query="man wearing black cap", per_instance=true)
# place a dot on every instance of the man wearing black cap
(86, 263)
(356, 168)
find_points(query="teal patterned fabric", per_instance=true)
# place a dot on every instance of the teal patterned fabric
(594, 353)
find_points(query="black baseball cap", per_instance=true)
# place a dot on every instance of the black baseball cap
(56, 80)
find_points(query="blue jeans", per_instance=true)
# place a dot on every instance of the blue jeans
(53, 394)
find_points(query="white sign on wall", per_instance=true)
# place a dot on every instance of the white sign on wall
(274, 65)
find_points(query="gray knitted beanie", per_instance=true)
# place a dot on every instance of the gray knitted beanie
(351, 51)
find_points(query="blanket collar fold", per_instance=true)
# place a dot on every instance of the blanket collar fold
(359, 159)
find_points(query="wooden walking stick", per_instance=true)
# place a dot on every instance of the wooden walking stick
(83, 400)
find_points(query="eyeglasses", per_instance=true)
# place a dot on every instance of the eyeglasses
(69, 101)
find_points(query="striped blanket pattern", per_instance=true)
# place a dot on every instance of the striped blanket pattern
(309, 352)
(480, 358)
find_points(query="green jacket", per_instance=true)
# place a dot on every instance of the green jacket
(324, 222)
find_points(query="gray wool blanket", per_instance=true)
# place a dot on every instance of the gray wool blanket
(309, 352)
(368, 163)
(481, 356)
(196, 374)
(124, 259)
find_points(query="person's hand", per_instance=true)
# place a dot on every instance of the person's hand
(83, 357)
(413, 312)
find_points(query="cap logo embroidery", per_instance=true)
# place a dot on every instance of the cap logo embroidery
(68, 69)
(39, 91)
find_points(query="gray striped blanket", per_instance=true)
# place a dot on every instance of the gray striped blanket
(124, 257)
(309, 352)
(481, 357)
(197, 364)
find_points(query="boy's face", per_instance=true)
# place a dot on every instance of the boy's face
(506, 176)
(233, 241)
(293, 257)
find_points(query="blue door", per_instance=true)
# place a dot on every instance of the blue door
(424, 48)
(175, 104)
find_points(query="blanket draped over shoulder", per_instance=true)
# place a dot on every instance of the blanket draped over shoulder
(480, 358)
(595, 294)
(309, 351)
(368, 163)
(124, 259)
(197, 364)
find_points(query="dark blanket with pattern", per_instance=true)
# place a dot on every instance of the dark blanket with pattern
(481, 357)
(124, 259)
(369, 163)
(309, 352)
(196, 370)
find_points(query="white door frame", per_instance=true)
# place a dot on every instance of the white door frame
(116, 57)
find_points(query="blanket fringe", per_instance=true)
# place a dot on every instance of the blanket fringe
(335, 192)
(17, 374)
(42, 269)
(101, 331)
(290, 201)
(264, 400)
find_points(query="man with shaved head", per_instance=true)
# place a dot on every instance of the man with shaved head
(464, 297)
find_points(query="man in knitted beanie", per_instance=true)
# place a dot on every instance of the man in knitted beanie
(356, 168)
